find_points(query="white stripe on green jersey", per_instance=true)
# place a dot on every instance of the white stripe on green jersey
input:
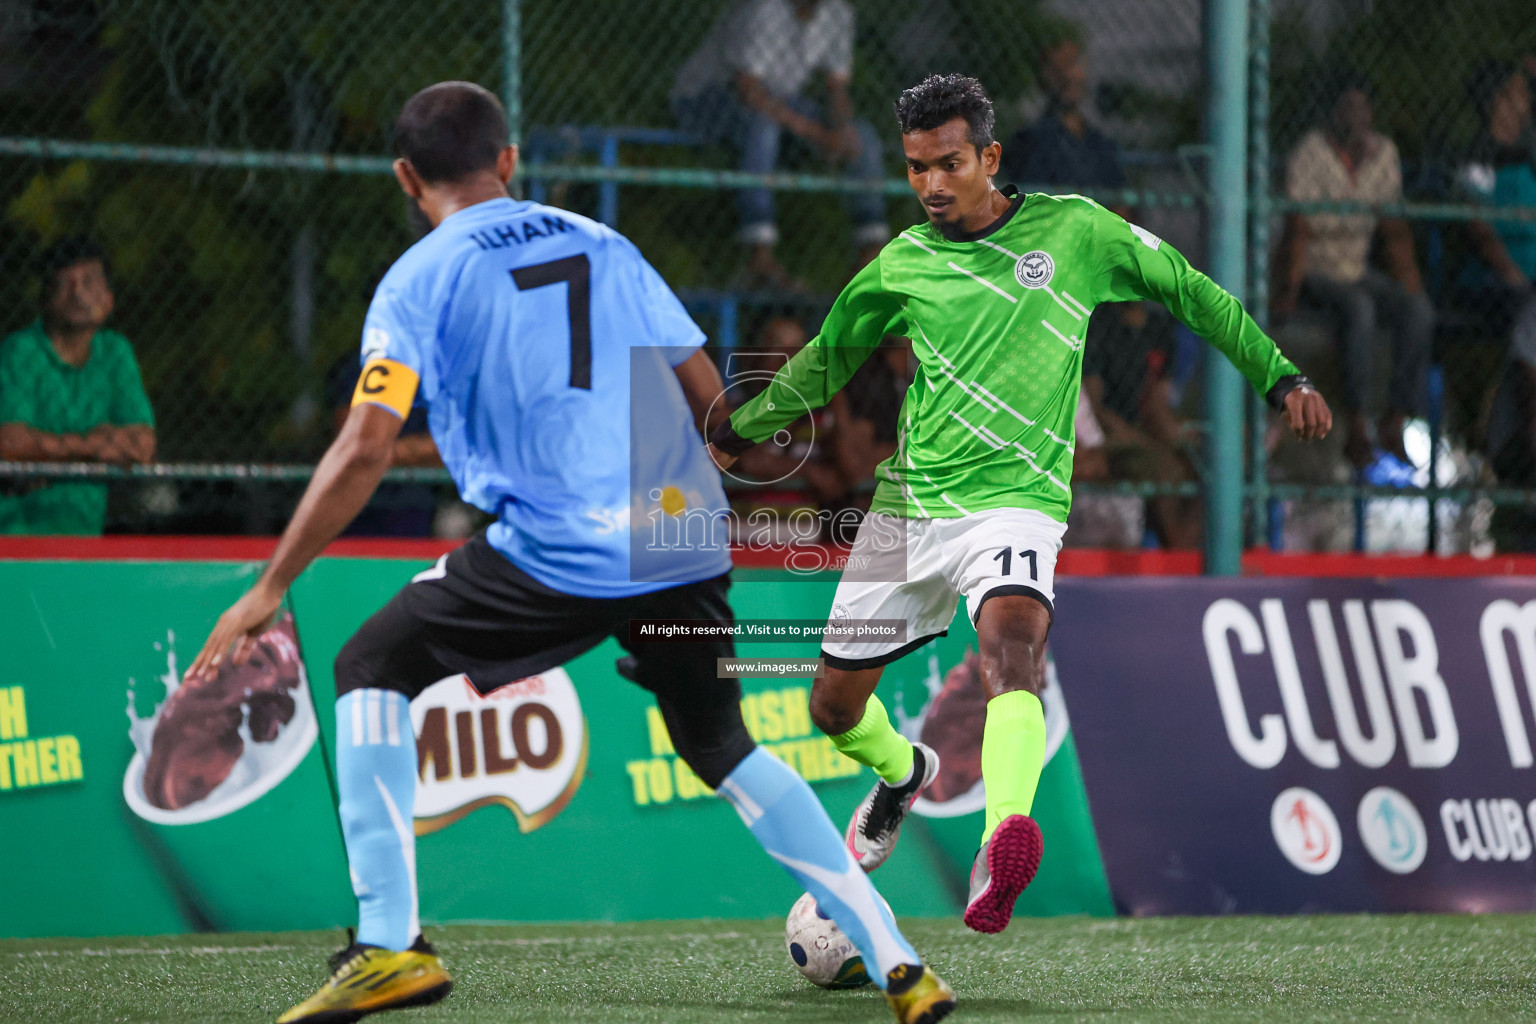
(997, 324)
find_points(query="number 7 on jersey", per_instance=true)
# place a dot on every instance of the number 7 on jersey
(576, 272)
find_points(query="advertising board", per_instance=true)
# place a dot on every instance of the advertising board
(134, 803)
(1286, 745)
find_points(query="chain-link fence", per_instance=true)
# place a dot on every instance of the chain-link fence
(232, 162)
(1410, 318)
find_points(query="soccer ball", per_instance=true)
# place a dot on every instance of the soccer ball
(820, 950)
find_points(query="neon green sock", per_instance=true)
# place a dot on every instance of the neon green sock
(1012, 755)
(876, 743)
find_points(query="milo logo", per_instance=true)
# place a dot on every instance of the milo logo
(523, 745)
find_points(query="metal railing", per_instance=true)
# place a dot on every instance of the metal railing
(1240, 47)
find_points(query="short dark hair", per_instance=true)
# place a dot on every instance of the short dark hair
(939, 99)
(451, 130)
(66, 253)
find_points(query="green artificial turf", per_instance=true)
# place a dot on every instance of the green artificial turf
(1420, 968)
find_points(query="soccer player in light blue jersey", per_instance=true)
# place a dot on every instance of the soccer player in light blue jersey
(562, 380)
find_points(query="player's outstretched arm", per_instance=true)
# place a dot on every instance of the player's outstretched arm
(863, 314)
(345, 479)
(1136, 264)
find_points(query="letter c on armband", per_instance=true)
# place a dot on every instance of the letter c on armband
(387, 383)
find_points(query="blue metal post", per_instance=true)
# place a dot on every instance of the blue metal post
(1435, 381)
(512, 67)
(608, 191)
(1226, 52)
(728, 323)
(512, 93)
(1268, 514)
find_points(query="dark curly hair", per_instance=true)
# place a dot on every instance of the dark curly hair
(938, 99)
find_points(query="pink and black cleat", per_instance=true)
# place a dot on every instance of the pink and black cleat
(871, 834)
(1003, 869)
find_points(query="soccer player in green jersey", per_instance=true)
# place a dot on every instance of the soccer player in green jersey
(995, 292)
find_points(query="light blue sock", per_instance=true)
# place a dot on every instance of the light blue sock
(785, 816)
(376, 775)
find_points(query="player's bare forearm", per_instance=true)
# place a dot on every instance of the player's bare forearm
(345, 479)
(702, 387)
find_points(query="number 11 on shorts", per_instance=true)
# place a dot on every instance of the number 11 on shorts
(1006, 557)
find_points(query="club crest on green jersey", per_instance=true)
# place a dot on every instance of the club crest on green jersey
(1035, 269)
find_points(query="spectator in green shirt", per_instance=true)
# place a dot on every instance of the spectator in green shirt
(69, 392)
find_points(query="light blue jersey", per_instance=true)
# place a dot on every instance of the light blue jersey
(544, 345)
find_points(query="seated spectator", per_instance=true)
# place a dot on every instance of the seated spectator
(70, 391)
(1099, 520)
(745, 86)
(1501, 172)
(1322, 264)
(1511, 434)
(396, 510)
(1128, 350)
(1127, 384)
(1062, 149)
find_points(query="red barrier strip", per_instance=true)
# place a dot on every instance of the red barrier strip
(1073, 561)
(202, 549)
(1270, 563)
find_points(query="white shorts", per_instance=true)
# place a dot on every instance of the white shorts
(916, 571)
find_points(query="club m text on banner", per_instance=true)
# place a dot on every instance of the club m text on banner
(1274, 746)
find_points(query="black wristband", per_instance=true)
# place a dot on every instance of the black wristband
(1284, 386)
(725, 438)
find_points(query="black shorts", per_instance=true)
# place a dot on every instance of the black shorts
(477, 613)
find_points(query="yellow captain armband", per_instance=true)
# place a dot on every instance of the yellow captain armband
(387, 383)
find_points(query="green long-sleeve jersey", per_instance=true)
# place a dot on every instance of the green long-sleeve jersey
(997, 323)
